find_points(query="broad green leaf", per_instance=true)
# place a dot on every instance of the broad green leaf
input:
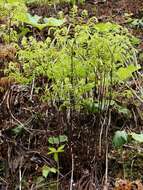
(53, 170)
(90, 106)
(34, 20)
(58, 140)
(46, 170)
(123, 110)
(53, 140)
(107, 27)
(125, 73)
(28, 19)
(53, 21)
(63, 138)
(137, 137)
(120, 138)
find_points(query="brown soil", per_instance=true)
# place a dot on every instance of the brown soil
(28, 150)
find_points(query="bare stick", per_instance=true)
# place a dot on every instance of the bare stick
(106, 162)
(72, 171)
(32, 89)
(20, 178)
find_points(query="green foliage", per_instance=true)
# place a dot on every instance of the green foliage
(12, 9)
(17, 130)
(35, 21)
(137, 137)
(125, 73)
(108, 27)
(123, 110)
(138, 23)
(15, 13)
(46, 170)
(134, 22)
(58, 140)
(120, 138)
(9, 11)
(55, 152)
(77, 64)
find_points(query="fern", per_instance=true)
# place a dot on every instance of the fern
(94, 53)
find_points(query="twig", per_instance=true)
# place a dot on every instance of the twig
(135, 93)
(72, 171)
(49, 183)
(4, 97)
(32, 89)
(100, 136)
(58, 174)
(3, 180)
(20, 179)
(133, 147)
(19, 122)
(106, 170)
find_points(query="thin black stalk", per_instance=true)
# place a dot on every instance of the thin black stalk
(72, 107)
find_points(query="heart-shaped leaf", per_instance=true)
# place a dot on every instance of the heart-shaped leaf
(46, 170)
(34, 21)
(120, 138)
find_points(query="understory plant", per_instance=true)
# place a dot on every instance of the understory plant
(129, 147)
(14, 14)
(79, 65)
(55, 149)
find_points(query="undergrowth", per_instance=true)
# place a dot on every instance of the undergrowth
(70, 77)
(82, 67)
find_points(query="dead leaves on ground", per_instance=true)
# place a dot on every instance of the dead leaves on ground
(127, 185)
(7, 52)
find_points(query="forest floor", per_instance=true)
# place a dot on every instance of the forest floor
(26, 153)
